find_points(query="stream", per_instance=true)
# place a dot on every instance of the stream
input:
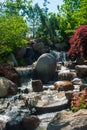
(44, 104)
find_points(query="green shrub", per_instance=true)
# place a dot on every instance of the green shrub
(12, 33)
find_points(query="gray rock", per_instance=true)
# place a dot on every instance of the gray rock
(67, 120)
(12, 60)
(30, 123)
(66, 75)
(81, 71)
(45, 67)
(20, 52)
(6, 87)
(37, 85)
(83, 86)
(77, 81)
(38, 46)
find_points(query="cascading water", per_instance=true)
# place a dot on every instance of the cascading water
(60, 56)
(25, 73)
(48, 97)
(63, 56)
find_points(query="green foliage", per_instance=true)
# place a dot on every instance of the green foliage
(23, 8)
(33, 19)
(17, 7)
(49, 26)
(45, 26)
(68, 21)
(72, 14)
(12, 33)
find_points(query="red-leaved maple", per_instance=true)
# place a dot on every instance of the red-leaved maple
(78, 43)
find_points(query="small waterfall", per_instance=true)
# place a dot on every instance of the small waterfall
(63, 68)
(66, 74)
(60, 56)
(25, 73)
(63, 58)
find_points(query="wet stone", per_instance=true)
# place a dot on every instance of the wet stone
(30, 123)
(37, 85)
(63, 85)
(2, 126)
(13, 125)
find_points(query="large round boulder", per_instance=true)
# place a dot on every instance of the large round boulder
(7, 87)
(45, 67)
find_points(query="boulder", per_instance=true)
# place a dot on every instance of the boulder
(37, 85)
(7, 87)
(58, 66)
(46, 49)
(81, 70)
(67, 120)
(20, 52)
(2, 126)
(14, 77)
(29, 55)
(30, 123)
(63, 85)
(66, 75)
(79, 61)
(77, 81)
(68, 95)
(45, 67)
(12, 60)
(13, 125)
(60, 46)
(9, 72)
(83, 86)
(71, 65)
(38, 46)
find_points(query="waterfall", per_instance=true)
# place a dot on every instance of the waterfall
(60, 56)
(64, 56)
(25, 73)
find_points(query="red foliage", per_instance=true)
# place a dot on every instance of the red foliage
(5, 70)
(79, 100)
(9, 72)
(78, 43)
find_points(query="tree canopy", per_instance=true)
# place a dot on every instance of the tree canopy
(51, 28)
(12, 33)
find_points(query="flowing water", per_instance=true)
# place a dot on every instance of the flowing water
(48, 97)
